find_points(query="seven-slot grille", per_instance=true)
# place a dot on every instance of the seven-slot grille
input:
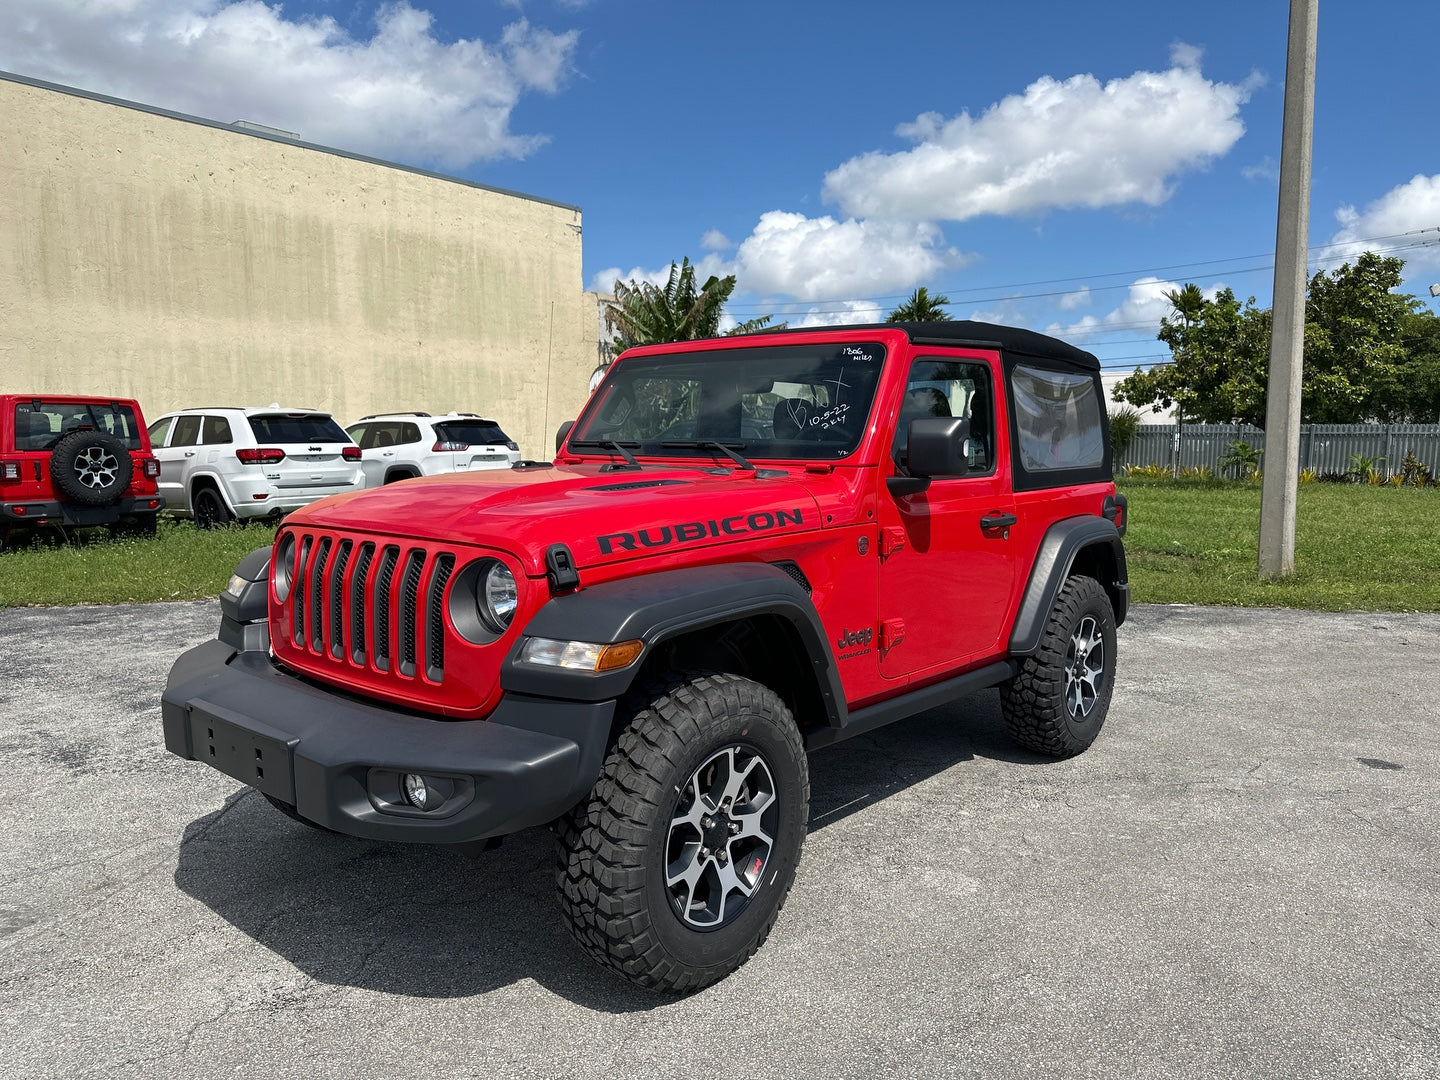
(374, 604)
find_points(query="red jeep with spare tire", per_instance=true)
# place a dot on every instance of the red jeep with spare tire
(68, 460)
(745, 549)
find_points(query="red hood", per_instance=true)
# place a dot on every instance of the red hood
(601, 516)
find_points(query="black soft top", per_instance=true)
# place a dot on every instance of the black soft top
(1008, 339)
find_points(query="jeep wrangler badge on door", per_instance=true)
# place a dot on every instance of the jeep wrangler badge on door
(745, 549)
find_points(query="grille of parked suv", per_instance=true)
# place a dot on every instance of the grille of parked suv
(370, 604)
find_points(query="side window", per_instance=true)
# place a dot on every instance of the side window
(159, 430)
(409, 433)
(951, 388)
(1057, 420)
(216, 430)
(358, 434)
(187, 431)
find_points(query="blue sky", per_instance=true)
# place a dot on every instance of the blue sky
(1050, 165)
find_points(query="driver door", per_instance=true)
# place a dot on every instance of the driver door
(947, 555)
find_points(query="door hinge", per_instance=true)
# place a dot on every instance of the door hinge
(892, 539)
(892, 633)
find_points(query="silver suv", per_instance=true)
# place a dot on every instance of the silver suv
(220, 464)
(400, 446)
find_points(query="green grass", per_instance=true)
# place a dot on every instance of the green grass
(1190, 541)
(1356, 547)
(181, 563)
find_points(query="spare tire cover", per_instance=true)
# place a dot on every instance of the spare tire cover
(90, 467)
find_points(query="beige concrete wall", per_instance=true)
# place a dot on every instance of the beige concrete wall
(148, 256)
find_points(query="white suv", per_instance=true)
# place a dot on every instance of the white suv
(217, 465)
(399, 446)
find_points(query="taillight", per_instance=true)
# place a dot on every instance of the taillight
(350, 453)
(9, 470)
(513, 445)
(150, 467)
(443, 445)
(260, 455)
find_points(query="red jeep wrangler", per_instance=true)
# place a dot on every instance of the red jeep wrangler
(746, 548)
(67, 461)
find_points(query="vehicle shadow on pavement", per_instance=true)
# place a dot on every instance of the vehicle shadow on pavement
(421, 921)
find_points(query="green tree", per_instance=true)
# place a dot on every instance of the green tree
(646, 314)
(1410, 392)
(921, 307)
(1221, 353)
(1357, 363)
(1353, 344)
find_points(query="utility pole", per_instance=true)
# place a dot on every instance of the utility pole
(1287, 337)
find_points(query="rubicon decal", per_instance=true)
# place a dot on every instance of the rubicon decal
(682, 532)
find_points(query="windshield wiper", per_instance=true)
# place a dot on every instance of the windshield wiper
(611, 444)
(711, 444)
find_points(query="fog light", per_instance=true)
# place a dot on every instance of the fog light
(417, 792)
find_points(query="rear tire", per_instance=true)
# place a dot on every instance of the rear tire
(210, 509)
(1057, 702)
(675, 868)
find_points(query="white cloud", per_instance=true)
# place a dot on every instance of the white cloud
(706, 267)
(1410, 207)
(1267, 168)
(822, 258)
(1139, 313)
(715, 240)
(846, 314)
(1077, 299)
(1077, 143)
(402, 93)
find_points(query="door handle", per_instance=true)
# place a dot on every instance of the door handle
(998, 521)
(189, 453)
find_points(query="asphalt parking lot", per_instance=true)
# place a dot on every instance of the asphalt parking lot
(1240, 879)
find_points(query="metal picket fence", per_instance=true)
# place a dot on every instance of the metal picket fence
(1323, 447)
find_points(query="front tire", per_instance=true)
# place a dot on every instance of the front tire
(1057, 702)
(675, 868)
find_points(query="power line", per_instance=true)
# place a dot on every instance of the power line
(1341, 253)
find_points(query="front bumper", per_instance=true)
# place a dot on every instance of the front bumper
(51, 512)
(338, 760)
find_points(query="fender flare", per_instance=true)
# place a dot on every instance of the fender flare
(1062, 544)
(655, 608)
(216, 481)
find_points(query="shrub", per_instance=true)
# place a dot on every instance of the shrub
(1241, 459)
(1414, 471)
(1309, 476)
(1124, 426)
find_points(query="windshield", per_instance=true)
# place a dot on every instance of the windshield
(39, 425)
(797, 401)
(473, 432)
(315, 427)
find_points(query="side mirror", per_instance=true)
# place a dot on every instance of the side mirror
(939, 446)
(560, 435)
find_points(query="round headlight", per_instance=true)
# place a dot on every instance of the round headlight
(498, 597)
(284, 572)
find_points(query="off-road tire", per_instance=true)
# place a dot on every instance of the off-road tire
(90, 467)
(614, 847)
(1039, 703)
(209, 508)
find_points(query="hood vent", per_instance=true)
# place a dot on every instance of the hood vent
(635, 485)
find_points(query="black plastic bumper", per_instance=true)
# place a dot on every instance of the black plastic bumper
(43, 512)
(339, 761)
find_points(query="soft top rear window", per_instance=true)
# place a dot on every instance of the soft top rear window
(474, 432)
(809, 402)
(40, 428)
(315, 427)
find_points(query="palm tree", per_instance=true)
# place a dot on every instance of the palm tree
(646, 314)
(921, 307)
